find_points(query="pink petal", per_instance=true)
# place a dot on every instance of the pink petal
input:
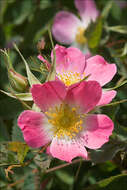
(48, 151)
(85, 94)
(48, 94)
(88, 55)
(87, 10)
(32, 125)
(67, 150)
(41, 58)
(65, 27)
(99, 70)
(69, 59)
(97, 131)
(107, 97)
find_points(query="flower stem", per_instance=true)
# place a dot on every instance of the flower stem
(62, 166)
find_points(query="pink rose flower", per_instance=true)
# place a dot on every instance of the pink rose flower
(73, 66)
(68, 28)
(65, 120)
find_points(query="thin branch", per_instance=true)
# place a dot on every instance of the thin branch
(15, 183)
(114, 103)
(110, 44)
(62, 166)
(78, 170)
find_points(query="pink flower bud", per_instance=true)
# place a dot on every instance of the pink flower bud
(18, 82)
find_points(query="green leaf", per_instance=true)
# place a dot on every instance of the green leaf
(44, 4)
(52, 72)
(16, 132)
(65, 177)
(106, 10)
(23, 10)
(116, 11)
(112, 183)
(21, 96)
(42, 161)
(3, 8)
(29, 182)
(119, 29)
(107, 151)
(94, 32)
(35, 24)
(121, 132)
(124, 52)
(9, 108)
(8, 61)
(4, 135)
(6, 156)
(31, 78)
(118, 85)
(20, 148)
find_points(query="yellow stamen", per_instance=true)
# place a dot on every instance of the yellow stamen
(80, 37)
(65, 121)
(70, 77)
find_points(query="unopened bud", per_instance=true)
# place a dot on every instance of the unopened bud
(18, 82)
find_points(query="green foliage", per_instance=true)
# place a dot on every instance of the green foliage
(29, 182)
(65, 177)
(4, 136)
(21, 96)
(121, 132)
(31, 78)
(116, 11)
(106, 10)
(94, 32)
(16, 132)
(52, 73)
(119, 29)
(25, 22)
(20, 148)
(112, 183)
(9, 108)
(107, 151)
(42, 161)
(6, 157)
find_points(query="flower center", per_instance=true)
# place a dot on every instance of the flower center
(80, 38)
(65, 120)
(70, 77)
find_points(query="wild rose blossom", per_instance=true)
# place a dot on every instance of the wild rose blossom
(73, 66)
(68, 28)
(65, 120)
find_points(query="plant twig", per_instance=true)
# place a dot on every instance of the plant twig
(15, 183)
(62, 166)
(110, 44)
(114, 103)
(78, 170)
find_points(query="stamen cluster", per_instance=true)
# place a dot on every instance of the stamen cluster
(65, 120)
